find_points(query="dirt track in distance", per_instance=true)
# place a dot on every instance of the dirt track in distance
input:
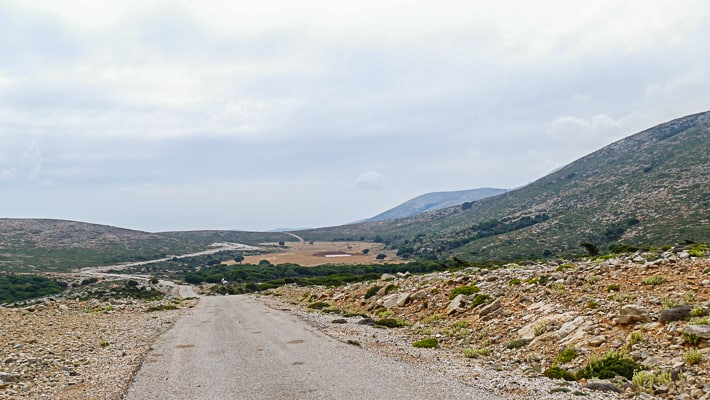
(309, 255)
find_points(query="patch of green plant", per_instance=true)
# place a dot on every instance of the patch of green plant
(514, 281)
(698, 250)
(161, 307)
(566, 355)
(654, 280)
(693, 356)
(103, 343)
(697, 312)
(700, 321)
(474, 353)
(543, 279)
(541, 328)
(353, 342)
(391, 288)
(559, 373)
(339, 321)
(372, 291)
(428, 343)
(464, 290)
(390, 322)
(517, 343)
(479, 299)
(579, 393)
(457, 328)
(610, 365)
(15, 288)
(564, 267)
(636, 337)
(430, 319)
(560, 390)
(318, 305)
(591, 304)
(706, 270)
(612, 288)
(692, 339)
(646, 380)
(384, 313)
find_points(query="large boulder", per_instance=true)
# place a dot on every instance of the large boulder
(632, 313)
(457, 304)
(701, 331)
(395, 300)
(678, 313)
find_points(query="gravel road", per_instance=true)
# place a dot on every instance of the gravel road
(234, 347)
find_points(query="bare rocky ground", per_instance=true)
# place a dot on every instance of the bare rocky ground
(631, 305)
(67, 349)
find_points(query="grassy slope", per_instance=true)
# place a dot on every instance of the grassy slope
(41, 244)
(658, 176)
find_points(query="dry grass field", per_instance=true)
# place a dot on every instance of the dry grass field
(319, 253)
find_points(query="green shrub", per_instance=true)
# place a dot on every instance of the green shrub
(693, 340)
(518, 343)
(559, 373)
(612, 288)
(654, 280)
(514, 281)
(479, 299)
(609, 366)
(390, 322)
(372, 291)
(464, 290)
(648, 379)
(339, 321)
(636, 337)
(698, 311)
(428, 343)
(700, 321)
(566, 355)
(473, 353)
(693, 357)
(391, 288)
(319, 305)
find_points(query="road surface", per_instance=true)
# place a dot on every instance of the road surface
(234, 347)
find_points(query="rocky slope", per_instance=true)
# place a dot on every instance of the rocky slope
(71, 349)
(637, 306)
(649, 189)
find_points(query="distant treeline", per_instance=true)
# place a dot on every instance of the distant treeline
(22, 287)
(249, 278)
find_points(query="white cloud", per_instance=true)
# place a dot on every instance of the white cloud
(370, 180)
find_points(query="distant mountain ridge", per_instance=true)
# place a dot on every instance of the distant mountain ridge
(649, 189)
(435, 201)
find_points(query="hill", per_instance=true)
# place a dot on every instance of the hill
(648, 189)
(47, 244)
(436, 201)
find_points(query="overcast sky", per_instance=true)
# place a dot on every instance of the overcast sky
(255, 115)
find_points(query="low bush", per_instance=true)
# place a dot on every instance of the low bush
(319, 305)
(464, 290)
(566, 355)
(654, 280)
(390, 322)
(479, 299)
(428, 343)
(693, 357)
(372, 291)
(559, 373)
(609, 366)
(518, 343)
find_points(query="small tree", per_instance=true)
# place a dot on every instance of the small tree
(282, 243)
(365, 251)
(381, 256)
(239, 258)
(592, 249)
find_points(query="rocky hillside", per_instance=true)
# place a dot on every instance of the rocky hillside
(436, 201)
(57, 245)
(581, 320)
(647, 189)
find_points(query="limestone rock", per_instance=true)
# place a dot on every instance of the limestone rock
(632, 313)
(678, 313)
(701, 331)
(602, 386)
(457, 304)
